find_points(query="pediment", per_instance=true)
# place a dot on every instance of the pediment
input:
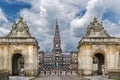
(19, 29)
(96, 29)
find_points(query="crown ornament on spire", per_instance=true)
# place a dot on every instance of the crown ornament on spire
(95, 20)
(20, 19)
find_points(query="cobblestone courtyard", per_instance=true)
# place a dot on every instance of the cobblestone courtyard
(61, 77)
(46, 77)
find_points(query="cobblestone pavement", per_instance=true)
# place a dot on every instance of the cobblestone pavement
(96, 78)
(70, 77)
(20, 78)
(56, 77)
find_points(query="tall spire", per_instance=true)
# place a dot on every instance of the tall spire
(57, 41)
(57, 25)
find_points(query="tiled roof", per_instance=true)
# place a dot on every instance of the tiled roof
(65, 54)
(47, 54)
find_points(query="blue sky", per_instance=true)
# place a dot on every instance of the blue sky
(73, 16)
(11, 9)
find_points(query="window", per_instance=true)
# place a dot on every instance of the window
(44, 59)
(56, 45)
(56, 34)
(75, 61)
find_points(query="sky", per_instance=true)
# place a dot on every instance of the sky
(73, 18)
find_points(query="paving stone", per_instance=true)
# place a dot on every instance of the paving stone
(20, 78)
(56, 77)
(59, 77)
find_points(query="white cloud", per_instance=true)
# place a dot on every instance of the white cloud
(42, 18)
(42, 15)
(112, 28)
(2, 16)
(95, 8)
(4, 24)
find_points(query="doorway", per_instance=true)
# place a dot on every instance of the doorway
(17, 64)
(98, 63)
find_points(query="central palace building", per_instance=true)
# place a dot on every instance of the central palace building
(56, 59)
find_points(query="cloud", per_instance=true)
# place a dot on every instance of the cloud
(94, 9)
(73, 17)
(4, 23)
(112, 28)
(2, 16)
(72, 24)
(42, 19)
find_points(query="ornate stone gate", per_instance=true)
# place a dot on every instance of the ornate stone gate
(19, 50)
(98, 44)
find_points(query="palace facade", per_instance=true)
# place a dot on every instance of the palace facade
(56, 59)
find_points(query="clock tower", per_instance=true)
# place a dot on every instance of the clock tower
(57, 41)
(57, 48)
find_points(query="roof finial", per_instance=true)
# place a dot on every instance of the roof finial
(56, 24)
(56, 21)
(20, 19)
(95, 20)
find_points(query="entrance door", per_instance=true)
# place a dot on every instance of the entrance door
(98, 63)
(17, 64)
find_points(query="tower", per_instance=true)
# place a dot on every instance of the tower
(57, 41)
(57, 48)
